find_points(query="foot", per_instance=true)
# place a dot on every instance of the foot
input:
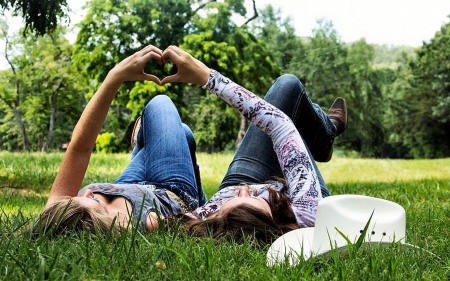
(137, 126)
(338, 115)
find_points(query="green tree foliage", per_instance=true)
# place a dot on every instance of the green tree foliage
(40, 17)
(395, 109)
(329, 68)
(387, 56)
(367, 103)
(237, 54)
(213, 122)
(422, 124)
(322, 66)
(278, 34)
(114, 29)
(40, 91)
(398, 100)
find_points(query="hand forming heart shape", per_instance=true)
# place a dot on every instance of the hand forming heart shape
(189, 69)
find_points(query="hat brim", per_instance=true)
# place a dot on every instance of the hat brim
(292, 247)
(296, 246)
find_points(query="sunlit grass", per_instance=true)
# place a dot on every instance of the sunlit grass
(344, 170)
(422, 187)
(33, 173)
(213, 168)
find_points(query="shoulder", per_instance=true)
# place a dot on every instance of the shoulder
(151, 222)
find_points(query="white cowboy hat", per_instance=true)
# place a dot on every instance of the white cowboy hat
(339, 216)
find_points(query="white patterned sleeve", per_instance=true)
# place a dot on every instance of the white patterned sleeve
(298, 170)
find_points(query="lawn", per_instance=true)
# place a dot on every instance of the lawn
(422, 187)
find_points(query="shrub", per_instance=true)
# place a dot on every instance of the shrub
(106, 143)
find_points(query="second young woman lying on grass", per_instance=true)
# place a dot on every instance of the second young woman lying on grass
(273, 184)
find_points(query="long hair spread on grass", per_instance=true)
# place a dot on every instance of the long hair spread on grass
(67, 216)
(246, 223)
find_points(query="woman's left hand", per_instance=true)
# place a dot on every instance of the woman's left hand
(190, 69)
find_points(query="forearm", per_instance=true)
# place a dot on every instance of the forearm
(76, 159)
(262, 114)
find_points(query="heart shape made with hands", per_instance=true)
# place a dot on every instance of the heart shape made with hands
(182, 67)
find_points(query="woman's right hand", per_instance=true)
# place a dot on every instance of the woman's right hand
(132, 67)
(190, 69)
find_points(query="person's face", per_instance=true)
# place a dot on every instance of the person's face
(245, 196)
(89, 200)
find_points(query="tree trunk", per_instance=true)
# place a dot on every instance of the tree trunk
(26, 143)
(15, 107)
(52, 117)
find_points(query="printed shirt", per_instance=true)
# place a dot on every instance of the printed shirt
(296, 164)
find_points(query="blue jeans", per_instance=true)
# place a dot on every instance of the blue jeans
(255, 160)
(165, 152)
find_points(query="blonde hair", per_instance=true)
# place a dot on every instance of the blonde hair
(66, 216)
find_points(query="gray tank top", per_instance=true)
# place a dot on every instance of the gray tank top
(143, 198)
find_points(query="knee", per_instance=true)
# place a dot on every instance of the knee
(159, 103)
(159, 99)
(160, 106)
(190, 138)
(290, 81)
(288, 85)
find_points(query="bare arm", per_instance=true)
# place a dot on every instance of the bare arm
(76, 159)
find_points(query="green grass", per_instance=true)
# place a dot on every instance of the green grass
(422, 187)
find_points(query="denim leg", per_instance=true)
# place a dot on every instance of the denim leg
(255, 160)
(162, 153)
(192, 150)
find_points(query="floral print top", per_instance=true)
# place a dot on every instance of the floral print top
(296, 164)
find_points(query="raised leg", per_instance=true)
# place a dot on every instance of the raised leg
(255, 160)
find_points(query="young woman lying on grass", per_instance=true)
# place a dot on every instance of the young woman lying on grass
(161, 180)
(273, 184)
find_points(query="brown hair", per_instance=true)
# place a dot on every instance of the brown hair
(66, 215)
(245, 222)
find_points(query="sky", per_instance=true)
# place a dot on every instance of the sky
(391, 22)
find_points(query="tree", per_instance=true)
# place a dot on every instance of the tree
(114, 29)
(367, 104)
(11, 93)
(279, 36)
(41, 90)
(237, 54)
(39, 16)
(422, 123)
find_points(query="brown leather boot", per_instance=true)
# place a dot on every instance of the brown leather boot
(137, 126)
(338, 115)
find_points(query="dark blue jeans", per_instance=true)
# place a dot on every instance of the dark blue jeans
(165, 152)
(255, 160)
